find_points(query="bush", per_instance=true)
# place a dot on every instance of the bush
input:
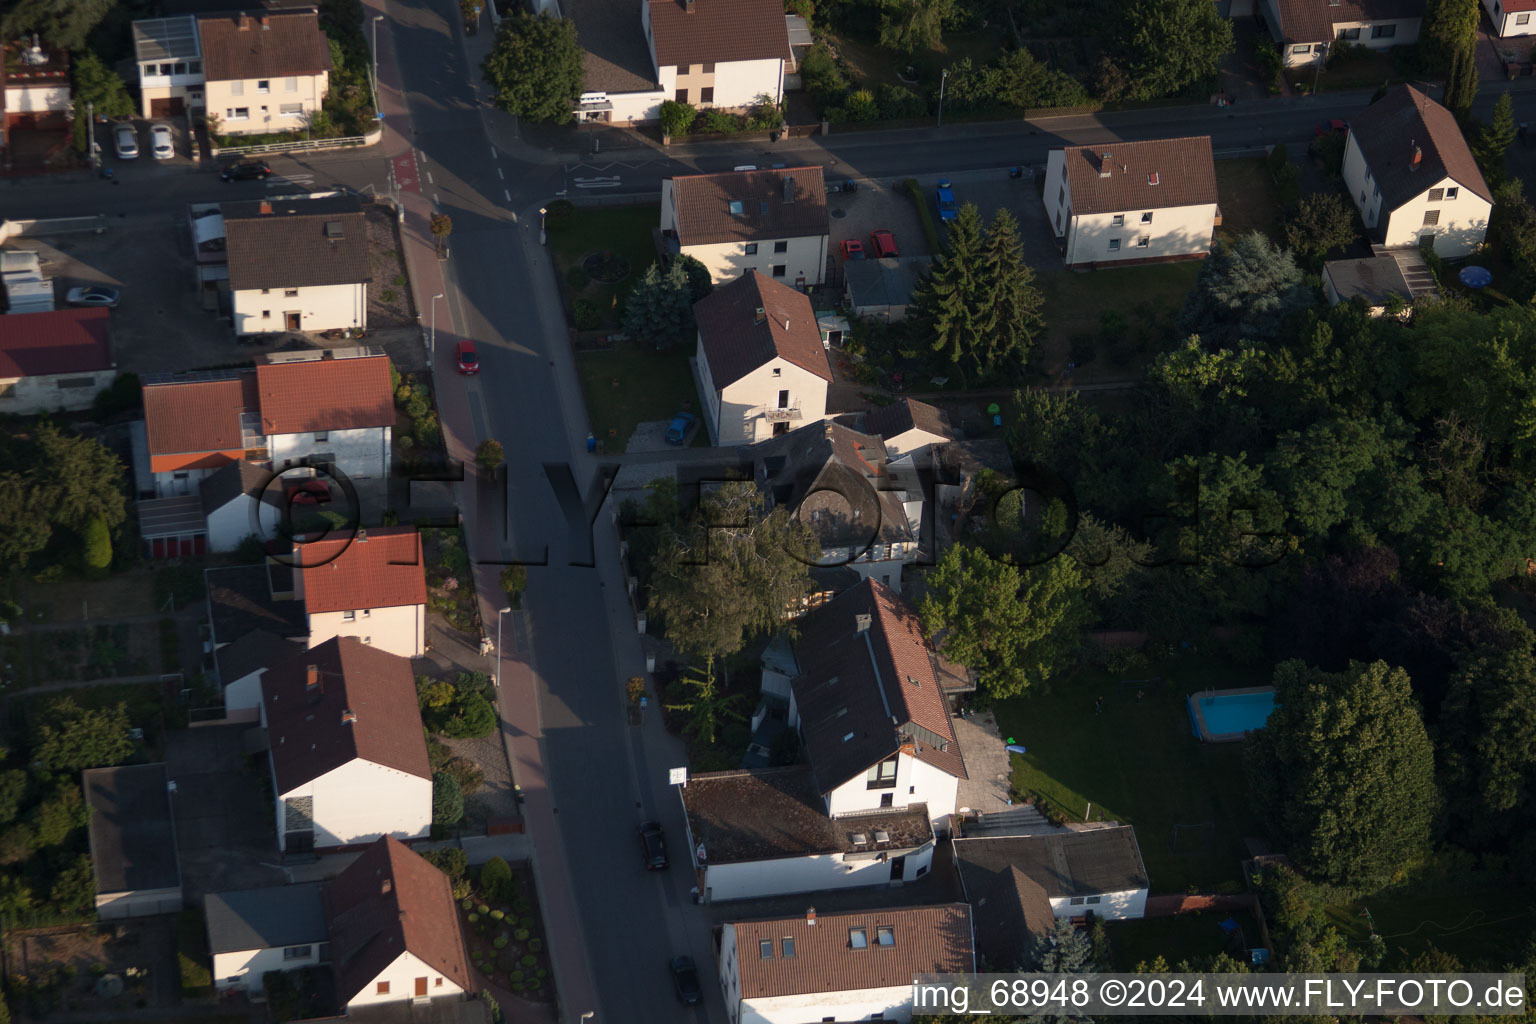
(897, 101)
(521, 935)
(495, 880)
(500, 942)
(124, 394)
(498, 915)
(535, 945)
(577, 278)
(514, 580)
(469, 774)
(450, 860)
(720, 122)
(559, 213)
(447, 799)
(677, 118)
(475, 717)
(489, 454)
(96, 548)
(387, 295)
(587, 315)
(924, 216)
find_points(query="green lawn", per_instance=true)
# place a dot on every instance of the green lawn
(1148, 297)
(1138, 763)
(651, 386)
(1484, 923)
(1366, 71)
(1247, 198)
(1176, 938)
(623, 230)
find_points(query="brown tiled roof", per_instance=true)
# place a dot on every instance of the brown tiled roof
(1312, 21)
(835, 480)
(1008, 906)
(736, 342)
(379, 568)
(704, 214)
(1065, 864)
(1387, 132)
(387, 902)
(1183, 169)
(264, 45)
(283, 243)
(714, 31)
(848, 684)
(307, 734)
(908, 414)
(63, 341)
(924, 940)
(194, 416)
(764, 815)
(325, 394)
(615, 57)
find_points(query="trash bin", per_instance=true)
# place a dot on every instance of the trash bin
(591, 443)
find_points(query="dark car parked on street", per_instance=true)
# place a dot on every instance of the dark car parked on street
(685, 981)
(245, 170)
(653, 845)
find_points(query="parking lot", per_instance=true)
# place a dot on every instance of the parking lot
(184, 146)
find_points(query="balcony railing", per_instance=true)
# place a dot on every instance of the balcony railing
(782, 415)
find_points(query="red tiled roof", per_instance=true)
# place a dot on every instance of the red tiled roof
(1183, 169)
(379, 568)
(308, 736)
(924, 940)
(63, 341)
(714, 31)
(271, 44)
(325, 394)
(736, 343)
(387, 902)
(194, 416)
(1386, 133)
(703, 203)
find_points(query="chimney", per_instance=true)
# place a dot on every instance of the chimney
(688, 6)
(245, 23)
(810, 916)
(349, 717)
(861, 623)
(759, 317)
(266, 23)
(385, 886)
(1152, 178)
(1418, 158)
(362, 536)
(1105, 168)
(314, 689)
(265, 209)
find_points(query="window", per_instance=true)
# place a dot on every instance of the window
(349, 616)
(887, 800)
(1426, 241)
(75, 382)
(149, 70)
(297, 952)
(1452, 193)
(885, 935)
(382, 989)
(367, 639)
(1144, 241)
(778, 270)
(1076, 901)
(1431, 218)
(1383, 31)
(1118, 222)
(322, 436)
(263, 85)
(682, 96)
(438, 983)
(765, 949)
(751, 248)
(367, 612)
(789, 947)
(882, 775)
(1146, 218)
(7, 390)
(290, 85)
(1061, 196)
(1093, 899)
(1303, 48)
(1436, 194)
(709, 68)
(685, 69)
(266, 314)
(194, 67)
(735, 207)
(1362, 198)
(707, 94)
(266, 291)
(1114, 245)
(290, 293)
(1522, 19)
(237, 88)
(1349, 34)
(239, 114)
(290, 109)
(857, 939)
(781, 247)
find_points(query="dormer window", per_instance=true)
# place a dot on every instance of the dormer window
(765, 949)
(857, 938)
(735, 208)
(885, 935)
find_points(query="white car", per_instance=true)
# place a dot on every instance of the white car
(127, 142)
(93, 295)
(160, 143)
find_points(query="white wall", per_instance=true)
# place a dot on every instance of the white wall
(36, 99)
(916, 782)
(1129, 905)
(361, 801)
(1509, 24)
(1173, 232)
(890, 1004)
(230, 524)
(111, 906)
(401, 976)
(265, 109)
(361, 453)
(401, 630)
(803, 257)
(28, 395)
(744, 403)
(807, 874)
(707, 383)
(1360, 184)
(243, 970)
(321, 308)
(1057, 196)
(737, 83)
(244, 692)
(173, 483)
(1405, 32)
(1463, 221)
(916, 443)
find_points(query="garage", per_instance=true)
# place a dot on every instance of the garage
(167, 106)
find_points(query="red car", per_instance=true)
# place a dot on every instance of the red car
(884, 244)
(310, 492)
(1332, 126)
(853, 249)
(469, 360)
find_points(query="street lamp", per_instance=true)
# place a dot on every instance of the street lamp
(376, 19)
(542, 212)
(432, 337)
(499, 614)
(587, 1016)
(944, 77)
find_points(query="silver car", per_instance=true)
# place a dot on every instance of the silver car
(160, 143)
(127, 142)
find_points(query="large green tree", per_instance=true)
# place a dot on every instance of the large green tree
(536, 67)
(1494, 139)
(659, 309)
(70, 737)
(911, 26)
(1321, 222)
(1246, 289)
(61, 23)
(1165, 46)
(707, 707)
(1461, 79)
(99, 90)
(1486, 745)
(1345, 773)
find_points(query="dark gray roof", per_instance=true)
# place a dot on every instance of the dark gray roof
(240, 601)
(1376, 278)
(293, 243)
(236, 480)
(257, 649)
(887, 282)
(133, 838)
(617, 58)
(907, 414)
(1008, 907)
(1064, 864)
(284, 915)
(177, 516)
(1390, 131)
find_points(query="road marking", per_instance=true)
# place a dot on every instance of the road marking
(598, 182)
(507, 193)
(429, 179)
(499, 175)
(434, 199)
(493, 152)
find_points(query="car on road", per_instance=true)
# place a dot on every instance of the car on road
(678, 429)
(653, 844)
(245, 170)
(310, 492)
(93, 295)
(160, 144)
(944, 198)
(468, 358)
(127, 142)
(853, 249)
(1332, 126)
(685, 981)
(883, 243)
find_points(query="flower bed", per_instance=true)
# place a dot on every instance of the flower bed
(504, 931)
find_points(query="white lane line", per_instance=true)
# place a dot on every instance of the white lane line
(507, 193)
(499, 175)
(493, 152)
(434, 199)
(429, 179)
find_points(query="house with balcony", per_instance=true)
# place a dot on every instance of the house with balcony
(1132, 202)
(297, 264)
(762, 367)
(1413, 178)
(857, 965)
(267, 71)
(170, 63)
(56, 361)
(1306, 29)
(771, 221)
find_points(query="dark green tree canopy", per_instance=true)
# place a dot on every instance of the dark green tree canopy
(1165, 46)
(659, 310)
(536, 67)
(71, 738)
(1246, 290)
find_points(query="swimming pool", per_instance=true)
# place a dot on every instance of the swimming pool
(1221, 716)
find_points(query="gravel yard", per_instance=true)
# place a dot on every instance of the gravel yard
(389, 295)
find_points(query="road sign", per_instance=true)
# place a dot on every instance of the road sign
(677, 776)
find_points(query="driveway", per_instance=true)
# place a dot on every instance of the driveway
(224, 820)
(993, 190)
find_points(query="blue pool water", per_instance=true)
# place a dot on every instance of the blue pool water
(1236, 712)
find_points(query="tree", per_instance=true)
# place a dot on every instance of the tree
(1448, 25)
(1246, 289)
(441, 226)
(1461, 80)
(943, 302)
(676, 118)
(61, 813)
(1494, 140)
(71, 738)
(13, 793)
(64, 25)
(1013, 306)
(489, 455)
(473, 717)
(1344, 772)
(911, 26)
(73, 891)
(700, 282)
(447, 799)
(496, 880)
(96, 548)
(97, 89)
(514, 580)
(1014, 629)
(536, 67)
(1165, 46)
(707, 708)
(1486, 745)
(659, 309)
(1320, 223)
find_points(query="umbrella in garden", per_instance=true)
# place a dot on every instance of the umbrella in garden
(1475, 277)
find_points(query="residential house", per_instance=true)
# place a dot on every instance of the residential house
(372, 586)
(1304, 29)
(198, 423)
(240, 665)
(768, 833)
(349, 759)
(619, 83)
(1098, 871)
(910, 429)
(394, 930)
(771, 221)
(848, 966)
(1132, 202)
(1010, 911)
(1511, 17)
(133, 841)
(34, 87)
(720, 54)
(263, 72)
(253, 931)
(762, 367)
(1397, 275)
(871, 707)
(297, 264)
(1413, 178)
(245, 599)
(882, 289)
(170, 63)
(241, 500)
(55, 362)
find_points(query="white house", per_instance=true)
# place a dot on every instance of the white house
(771, 221)
(1132, 202)
(1304, 29)
(268, 71)
(394, 930)
(762, 368)
(57, 361)
(768, 833)
(34, 87)
(371, 586)
(243, 499)
(297, 264)
(723, 54)
(1098, 871)
(253, 931)
(1375, 280)
(242, 663)
(1413, 178)
(850, 966)
(1511, 17)
(170, 63)
(349, 759)
(133, 841)
(909, 429)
